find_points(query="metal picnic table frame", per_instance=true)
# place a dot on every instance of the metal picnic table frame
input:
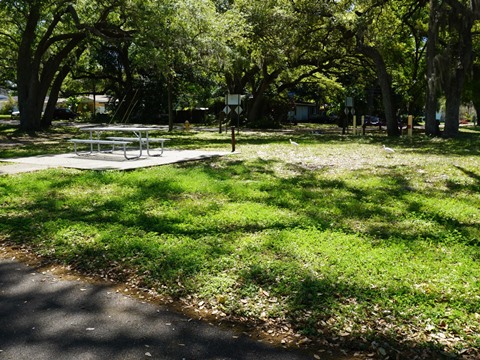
(140, 135)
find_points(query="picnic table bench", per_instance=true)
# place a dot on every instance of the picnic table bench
(144, 140)
(122, 143)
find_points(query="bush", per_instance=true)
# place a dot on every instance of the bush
(8, 106)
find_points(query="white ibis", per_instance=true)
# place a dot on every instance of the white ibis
(388, 150)
(293, 143)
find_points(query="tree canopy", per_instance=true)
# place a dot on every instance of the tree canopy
(191, 53)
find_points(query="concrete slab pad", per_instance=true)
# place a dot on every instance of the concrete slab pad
(20, 168)
(115, 161)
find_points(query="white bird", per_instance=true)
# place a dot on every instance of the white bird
(388, 150)
(293, 142)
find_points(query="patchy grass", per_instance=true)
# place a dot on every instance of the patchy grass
(331, 242)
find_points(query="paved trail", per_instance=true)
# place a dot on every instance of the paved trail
(45, 317)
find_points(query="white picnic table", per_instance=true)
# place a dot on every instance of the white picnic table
(138, 134)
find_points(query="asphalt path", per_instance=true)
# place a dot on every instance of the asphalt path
(43, 316)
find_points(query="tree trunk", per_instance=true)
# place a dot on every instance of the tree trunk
(256, 107)
(256, 111)
(476, 105)
(236, 83)
(431, 126)
(461, 65)
(259, 80)
(385, 86)
(29, 110)
(41, 54)
(53, 98)
(453, 65)
(170, 104)
(476, 91)
(453, 94)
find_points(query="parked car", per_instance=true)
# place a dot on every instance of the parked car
(15, 114)
(327, 118)
(373, 121)
(64, 114)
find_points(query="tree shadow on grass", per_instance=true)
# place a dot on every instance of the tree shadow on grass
(471, 174)
(313, 307)
(316, 202)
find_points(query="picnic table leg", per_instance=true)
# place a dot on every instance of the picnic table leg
(147, 144)
(91, 144)
(98, 138)
(125, 153)
(161, 149)
(139, 137)
(75, 149)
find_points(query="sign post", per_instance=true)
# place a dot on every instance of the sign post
(235, 101)
(233, 138)
(348, 108)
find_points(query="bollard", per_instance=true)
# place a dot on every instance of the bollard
(410, 126)
(354, 124)
(363, 124)
(233, 138)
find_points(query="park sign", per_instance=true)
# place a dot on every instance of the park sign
(233, 99)
(349, 102)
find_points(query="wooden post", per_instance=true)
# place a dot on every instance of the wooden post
(233, 138)
(410, 126)
(221, 118)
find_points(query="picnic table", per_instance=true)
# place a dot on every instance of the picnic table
(136, 134)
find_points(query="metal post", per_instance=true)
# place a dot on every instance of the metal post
(221, 118)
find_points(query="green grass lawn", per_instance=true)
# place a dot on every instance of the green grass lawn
(331, 243)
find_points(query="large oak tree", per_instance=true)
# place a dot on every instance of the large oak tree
(47, 36)
(449, 59)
